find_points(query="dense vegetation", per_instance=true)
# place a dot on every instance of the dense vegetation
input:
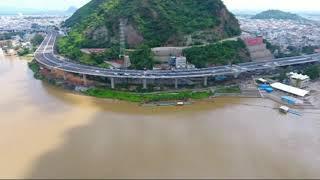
(70, 47)
(309, 49)
(276, 14)
(142, 58)
(37, 40)
(277, 52)
(7, 36)
(313, 71)
(271, 47)
(291, 50)
(227, 52)
(35, 68)
(84, 12)
(157, 22)
(146, 24)
(147, 97)
(24, 51)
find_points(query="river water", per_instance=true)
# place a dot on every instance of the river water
(46, 132)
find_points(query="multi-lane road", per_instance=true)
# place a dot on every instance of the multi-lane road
(45, 55)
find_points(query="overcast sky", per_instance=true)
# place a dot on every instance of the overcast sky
(291, 5)
(42, 4)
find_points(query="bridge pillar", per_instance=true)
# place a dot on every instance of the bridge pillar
(144, 84)
(64, 76)
(176, 83)
(84, 78)
(112, 83)
(236, 75)
(205, 82)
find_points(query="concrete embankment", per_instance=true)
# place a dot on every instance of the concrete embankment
(238, 95)
(276, 98)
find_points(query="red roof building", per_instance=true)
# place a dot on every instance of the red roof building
(253, 41)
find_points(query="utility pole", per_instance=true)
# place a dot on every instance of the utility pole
(122, 39)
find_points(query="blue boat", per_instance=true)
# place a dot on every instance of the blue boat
(289, 100)
(266, 88)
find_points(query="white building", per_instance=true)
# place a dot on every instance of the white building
(127, 62)
(290, 89)
(181, 62)
(299, 80)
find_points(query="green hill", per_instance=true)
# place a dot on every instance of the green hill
(145, 23)
(153, 22)
(277, 14)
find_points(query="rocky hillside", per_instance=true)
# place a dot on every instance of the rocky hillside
(151, 22)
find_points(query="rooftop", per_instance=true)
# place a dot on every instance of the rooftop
(299, 76)
(290, 89)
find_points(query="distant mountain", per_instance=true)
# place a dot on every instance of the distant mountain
(15, 11)
(277, 14)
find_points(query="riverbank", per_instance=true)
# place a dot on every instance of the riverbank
(148, 97)
(28, 57)
(137, 97)
(35, 68)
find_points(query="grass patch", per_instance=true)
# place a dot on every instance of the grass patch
(146, 97)
(104, 65)
(228, 90)
(35, 68)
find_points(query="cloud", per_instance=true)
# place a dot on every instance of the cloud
(291, 5)
(42, 4)
(305, 5)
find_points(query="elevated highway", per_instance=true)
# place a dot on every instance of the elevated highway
(45, 56)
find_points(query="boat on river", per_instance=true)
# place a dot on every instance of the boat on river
(179, 103)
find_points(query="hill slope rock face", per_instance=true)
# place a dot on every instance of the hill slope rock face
(152, 22)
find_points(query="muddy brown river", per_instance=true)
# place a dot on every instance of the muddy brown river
(46, 132)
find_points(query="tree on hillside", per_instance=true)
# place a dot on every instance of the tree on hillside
(313, 72)
(37, 40)
(142, 58)
(308, 49)
(227, 52)
(23, 52)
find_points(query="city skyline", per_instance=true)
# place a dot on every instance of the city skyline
(258, 5)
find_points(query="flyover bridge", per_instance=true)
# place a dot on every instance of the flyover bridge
(46, 57)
